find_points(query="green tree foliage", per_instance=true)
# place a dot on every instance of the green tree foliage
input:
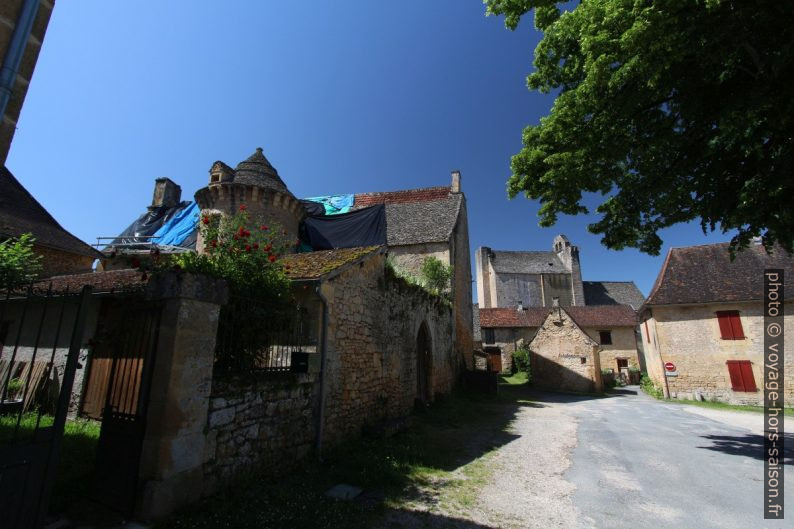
(18, 262)
(671, 110)
(521, 360)
(436, 275)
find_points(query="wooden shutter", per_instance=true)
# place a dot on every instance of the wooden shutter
(741, 373)
(736, 326)
(730, 325)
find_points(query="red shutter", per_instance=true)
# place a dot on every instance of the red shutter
(736, 326)
(747, 375)
(724, 317)
(735, 371)
(741, 372)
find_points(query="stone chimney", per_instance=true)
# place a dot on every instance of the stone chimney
(166, 193)
(455, 187)
(520, 306)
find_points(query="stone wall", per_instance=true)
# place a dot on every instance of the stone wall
(507, 339)
(411, 257)
(624, 346)
(689, 336)
(57, 262)
(265, 421)
(371, 367)
(461, 288)
(564, 358)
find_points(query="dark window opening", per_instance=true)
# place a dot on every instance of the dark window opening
(730, 325)
(605, 337)
(488, 336)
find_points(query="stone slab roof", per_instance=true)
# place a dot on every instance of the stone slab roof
(705, 274)
(21, 213)
(108, 281)
(315, 265)
(422, 221)
(612, 293)
(507, 262)
(585, 316)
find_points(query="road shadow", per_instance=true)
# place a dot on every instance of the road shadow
(747, 445)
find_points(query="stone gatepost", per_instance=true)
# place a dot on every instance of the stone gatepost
(170, 472)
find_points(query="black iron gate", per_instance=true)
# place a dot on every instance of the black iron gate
(126, 344)
(40, 339)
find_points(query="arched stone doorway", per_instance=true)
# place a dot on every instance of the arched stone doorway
(424, 365)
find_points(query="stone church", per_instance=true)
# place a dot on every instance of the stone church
(517, 290)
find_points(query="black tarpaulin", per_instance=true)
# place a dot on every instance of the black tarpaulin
(313, 208)
(362, 227)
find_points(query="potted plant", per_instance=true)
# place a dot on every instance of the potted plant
(12, 400)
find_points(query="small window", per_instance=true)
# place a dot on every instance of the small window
(741, 373)
(488, 336)
(605, 337)
(215, 177)
(730, 325)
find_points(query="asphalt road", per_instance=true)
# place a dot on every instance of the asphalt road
(640, 463)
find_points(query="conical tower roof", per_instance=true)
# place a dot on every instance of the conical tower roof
(256, 170)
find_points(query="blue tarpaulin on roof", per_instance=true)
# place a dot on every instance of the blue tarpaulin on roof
(179, 227)
(335, 204)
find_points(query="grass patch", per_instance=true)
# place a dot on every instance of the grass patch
(518, 378)
(447, 446)
(77, 457)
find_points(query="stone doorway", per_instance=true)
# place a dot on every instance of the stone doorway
(424, 365)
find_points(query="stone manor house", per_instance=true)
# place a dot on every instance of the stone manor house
(370, 345)
(518, 291)
(704, 319)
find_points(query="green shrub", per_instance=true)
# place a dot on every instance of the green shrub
(18, 262)
(650, 388)
(436, 275)
(521, 362)
(13, 388)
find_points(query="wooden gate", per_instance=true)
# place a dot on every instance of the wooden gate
(121, 374)
(37, 331)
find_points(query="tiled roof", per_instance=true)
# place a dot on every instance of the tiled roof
(603, 316)
(363, 200)
(314, 265)
(511, 317)
(705, 274)
(596, 316)
(21, 213)
(612, 293)
(506, 262)
(113, 280)
(422, 221)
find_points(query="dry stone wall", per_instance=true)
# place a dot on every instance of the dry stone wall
(259, 421)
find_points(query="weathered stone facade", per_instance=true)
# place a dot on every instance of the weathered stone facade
(563, 357)
(259, 421)
(623, 346)
(689, 337)
(58, 262)
(374, 323)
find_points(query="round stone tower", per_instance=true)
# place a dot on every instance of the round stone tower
(255, 183)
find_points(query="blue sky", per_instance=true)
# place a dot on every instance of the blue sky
(343, 96)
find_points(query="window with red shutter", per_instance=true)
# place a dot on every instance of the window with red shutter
(730, 325)
(741, 373)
